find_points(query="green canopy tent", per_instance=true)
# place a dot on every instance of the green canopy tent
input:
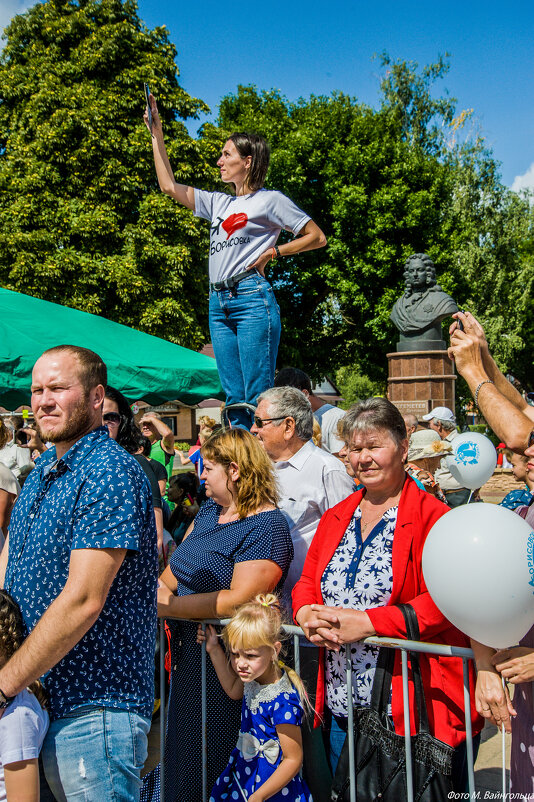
(139, 365)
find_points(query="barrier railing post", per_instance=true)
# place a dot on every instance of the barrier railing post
(407, 726)
(162, 706)
(404, 645)
(296, 650)
(468, 732)
(350, 725)
(204, 717)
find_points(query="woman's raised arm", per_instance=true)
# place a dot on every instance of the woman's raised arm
(180, 192)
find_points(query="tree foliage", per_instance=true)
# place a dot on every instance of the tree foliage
(384, 183)
(82, 222)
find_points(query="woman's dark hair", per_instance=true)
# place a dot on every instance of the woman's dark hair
(187, 482)
(129, 435)
(374, 413)
(256, 147)
(12, 637)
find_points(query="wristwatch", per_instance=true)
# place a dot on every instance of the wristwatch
(5, 700)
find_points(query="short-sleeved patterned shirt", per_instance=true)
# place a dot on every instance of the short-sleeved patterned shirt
(96, 496)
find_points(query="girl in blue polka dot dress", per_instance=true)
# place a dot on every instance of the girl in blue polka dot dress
(267, 760)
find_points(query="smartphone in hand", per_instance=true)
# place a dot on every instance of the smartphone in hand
(147, 93)
(459, 323)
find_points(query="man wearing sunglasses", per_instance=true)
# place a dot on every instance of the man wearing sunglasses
(311, 480)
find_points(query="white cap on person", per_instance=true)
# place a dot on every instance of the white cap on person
(441, 413)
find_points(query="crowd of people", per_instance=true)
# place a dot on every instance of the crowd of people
(295, 511)
(331, 540)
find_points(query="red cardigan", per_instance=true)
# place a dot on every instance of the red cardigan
(442, 676)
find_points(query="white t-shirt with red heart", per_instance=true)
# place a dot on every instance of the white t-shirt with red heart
(244, 227)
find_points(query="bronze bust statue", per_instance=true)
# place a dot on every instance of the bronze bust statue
(419, 312)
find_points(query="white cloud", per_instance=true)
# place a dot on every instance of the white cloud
(525, 181)
(8, 9)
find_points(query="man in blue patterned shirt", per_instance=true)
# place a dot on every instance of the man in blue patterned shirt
(81, 561)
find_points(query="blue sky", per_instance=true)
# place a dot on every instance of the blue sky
(317, 47)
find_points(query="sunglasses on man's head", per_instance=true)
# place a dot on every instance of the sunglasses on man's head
(112, 417)
(258, 422)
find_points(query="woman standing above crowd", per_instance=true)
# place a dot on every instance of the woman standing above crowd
(243, 313)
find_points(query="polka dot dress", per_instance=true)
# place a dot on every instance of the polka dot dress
(204, 562)
(250, 765)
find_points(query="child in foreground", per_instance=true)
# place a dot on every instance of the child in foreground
(267, 760)
(24, 723)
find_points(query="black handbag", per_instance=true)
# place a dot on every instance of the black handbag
(379, 753)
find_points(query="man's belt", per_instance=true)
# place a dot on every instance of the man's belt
(230, 283)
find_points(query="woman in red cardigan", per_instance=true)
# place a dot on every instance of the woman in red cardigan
(365, 559)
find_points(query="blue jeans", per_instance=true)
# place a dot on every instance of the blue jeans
(245, 332)
(96, 754)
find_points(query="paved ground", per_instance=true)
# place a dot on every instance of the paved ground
(488, 768)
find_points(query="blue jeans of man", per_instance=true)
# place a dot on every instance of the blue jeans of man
(245, 333)
(95, 754)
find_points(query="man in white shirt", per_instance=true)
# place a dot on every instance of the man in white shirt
(326, 415)
(310, 480)
(442, 420)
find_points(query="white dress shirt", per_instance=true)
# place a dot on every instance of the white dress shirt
(310, 482)
(328, 417)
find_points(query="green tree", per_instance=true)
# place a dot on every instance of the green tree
(82, 222)
(383, 184)
(355, 387)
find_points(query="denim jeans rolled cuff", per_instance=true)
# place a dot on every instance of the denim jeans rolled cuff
(95, 754)
(245, 332)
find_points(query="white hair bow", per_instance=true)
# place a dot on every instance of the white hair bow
(250, 747)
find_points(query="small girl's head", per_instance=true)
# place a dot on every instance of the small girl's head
(254, 639)
(12, 635)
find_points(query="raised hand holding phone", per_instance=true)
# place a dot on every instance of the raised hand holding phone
(148, 109)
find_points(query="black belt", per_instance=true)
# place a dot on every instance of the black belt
(230, 283)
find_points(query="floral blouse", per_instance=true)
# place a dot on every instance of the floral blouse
(359, 576)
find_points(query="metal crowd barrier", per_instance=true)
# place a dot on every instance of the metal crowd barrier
(404, 645)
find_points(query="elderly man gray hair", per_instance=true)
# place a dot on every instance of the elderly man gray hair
(311, 480)
(288, 402)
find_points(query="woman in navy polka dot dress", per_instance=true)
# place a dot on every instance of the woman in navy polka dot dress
(239, 545)
(267, 760)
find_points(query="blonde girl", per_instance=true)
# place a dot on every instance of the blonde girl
(267, 760)
(24, 722)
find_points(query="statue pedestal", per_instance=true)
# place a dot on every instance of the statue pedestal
(418, 381)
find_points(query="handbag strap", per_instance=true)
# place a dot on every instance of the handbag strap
(412, 632)
(384, 672)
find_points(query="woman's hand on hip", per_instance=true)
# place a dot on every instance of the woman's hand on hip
(340, 625)
(261, 262)
(516, 664)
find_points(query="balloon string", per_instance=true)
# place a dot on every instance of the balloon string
(503, 746)
(470, 496)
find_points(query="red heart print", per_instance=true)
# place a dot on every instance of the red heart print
(234, 222)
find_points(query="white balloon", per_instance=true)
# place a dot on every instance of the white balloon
(478, 565)
(473, 459)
